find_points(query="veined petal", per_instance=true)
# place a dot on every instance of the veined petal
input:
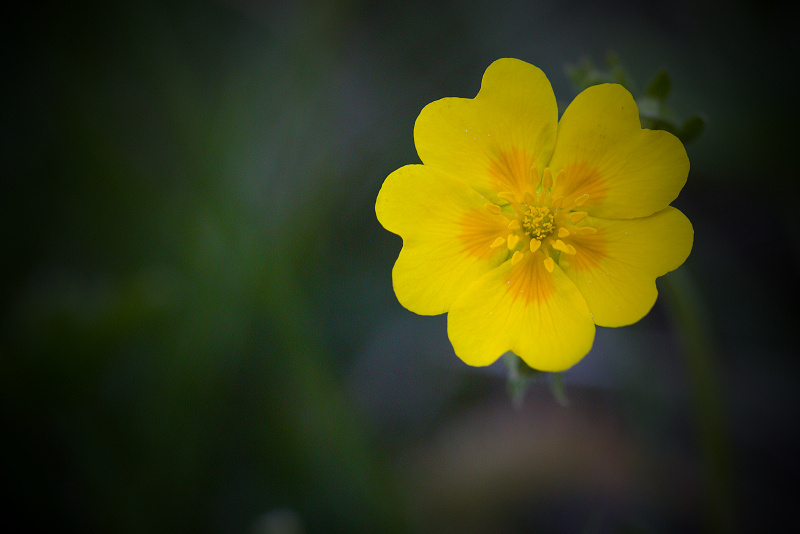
(538, 315)
(616, 268)
(509, 127)
(447, 236)
(627, 172)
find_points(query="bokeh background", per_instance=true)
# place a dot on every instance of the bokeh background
(199, 332)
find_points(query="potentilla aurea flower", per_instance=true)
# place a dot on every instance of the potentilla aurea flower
(529, 230)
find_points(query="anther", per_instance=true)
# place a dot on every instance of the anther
(514, 225)
(563, 247)
(493, 208)
(534, 174)
(549, 264)
(535, 244)
(497, 242)
(581, 200)
(563, 232)
(507, 195)
(513, 239)
(577, 216)
(516, 258)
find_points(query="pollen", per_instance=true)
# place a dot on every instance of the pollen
(538, 222)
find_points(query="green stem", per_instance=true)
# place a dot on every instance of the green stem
(690, 320)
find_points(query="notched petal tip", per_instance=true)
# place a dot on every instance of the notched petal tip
(525, 309)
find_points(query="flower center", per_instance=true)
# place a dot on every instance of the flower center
(537, 222)
(542, 221)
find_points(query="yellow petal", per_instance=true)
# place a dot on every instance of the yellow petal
(627, 172)
(447, 236)
(540, 316)
(616, 268)
(508, 128)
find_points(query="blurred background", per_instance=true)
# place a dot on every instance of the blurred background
(199, 332)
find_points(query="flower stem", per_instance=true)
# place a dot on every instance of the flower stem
(690, 320)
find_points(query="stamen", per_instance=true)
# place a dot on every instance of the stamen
(563, 247)
(559, 177)
(547, 179)
(534, 174)
(493, 208)
(577, 216)
(513, 239)
(543, 215)
(538, 222)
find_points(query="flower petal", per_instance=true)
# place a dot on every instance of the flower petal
(626, 171)
(499, 135)
(615, 268)
(447, 235)
(538, 315)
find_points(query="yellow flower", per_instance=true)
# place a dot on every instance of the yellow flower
(529, 230)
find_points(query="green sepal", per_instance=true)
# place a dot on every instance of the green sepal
(692, 128)
(660, 123)
(521, 376)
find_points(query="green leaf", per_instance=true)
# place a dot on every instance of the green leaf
(659, 86)
(652, 123)
(692, 128)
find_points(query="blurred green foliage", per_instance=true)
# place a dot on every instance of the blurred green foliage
(160, 351)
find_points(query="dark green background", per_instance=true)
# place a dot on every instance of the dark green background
(199, 332)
